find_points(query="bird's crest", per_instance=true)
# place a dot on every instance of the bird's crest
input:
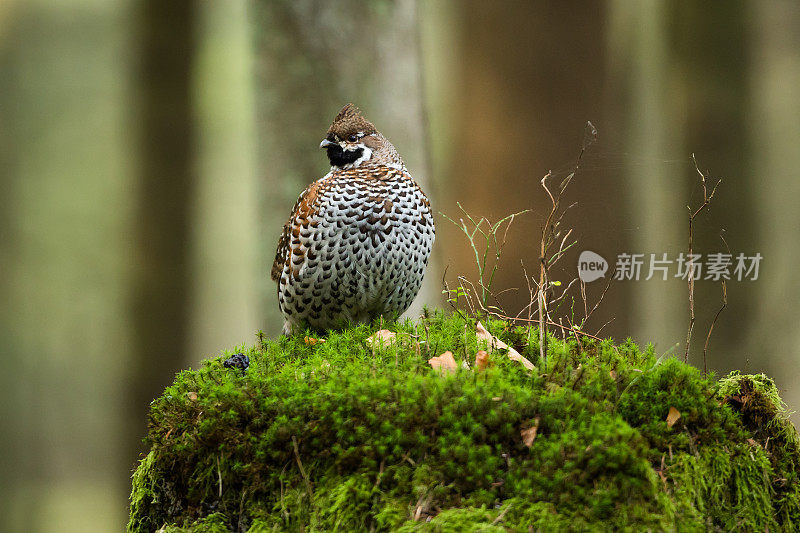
(350, 121)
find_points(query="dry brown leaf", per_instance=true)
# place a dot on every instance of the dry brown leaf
(311, 341)
(673, 416)
(445, 362)
(382, 338)
(192, 396)
(481, 360)
(493, 343)
(753, 442)
(529, 434)
(613, 374)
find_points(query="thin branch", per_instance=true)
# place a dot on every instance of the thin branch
(219, 477)
(574, 331)
(719, 312)
(548, 237)
(706, 201)
(549, 323)
(302, 470)
(604, 325)
(541, 296)
(711, 328)
(502, 514)
(599, 301)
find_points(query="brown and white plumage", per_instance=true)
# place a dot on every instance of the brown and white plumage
(358, 240)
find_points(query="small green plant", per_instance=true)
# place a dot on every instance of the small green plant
(453, 295)
(482, 236)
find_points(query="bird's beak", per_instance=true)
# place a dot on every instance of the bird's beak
(325, 143)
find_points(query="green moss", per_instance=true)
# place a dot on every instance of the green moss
(338, 436)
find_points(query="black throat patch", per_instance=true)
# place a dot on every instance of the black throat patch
(340, 158)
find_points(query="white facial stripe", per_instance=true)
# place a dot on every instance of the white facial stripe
(366, 154)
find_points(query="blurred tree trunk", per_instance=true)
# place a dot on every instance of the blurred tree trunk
(709, 81)
(685, 93)
(315, 56)
(647, 122)
(532, 76)
(774, 128)
(162, 274)
(64, 195)
(227, 258)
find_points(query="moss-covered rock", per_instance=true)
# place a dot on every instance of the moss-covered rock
(343, 436)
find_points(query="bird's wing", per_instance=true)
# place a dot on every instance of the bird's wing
(282, 253)
(299, 219)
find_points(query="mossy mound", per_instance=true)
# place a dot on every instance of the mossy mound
(340, 436)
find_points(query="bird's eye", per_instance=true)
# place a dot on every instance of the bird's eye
(353, 138)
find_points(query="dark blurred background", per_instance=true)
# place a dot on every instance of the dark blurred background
(150, 152)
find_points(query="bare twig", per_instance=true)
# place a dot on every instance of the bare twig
(574, 332)
(585, 301)
(719, 312)
(302, 470)
(599, 301)
(556, 302)
(604, 325)
(379, 476)
(711, 328)
(219, 477)
(549, 236)
(283, 504)
(706, 201)
(549, 323)
(541, 296)
(502, 514)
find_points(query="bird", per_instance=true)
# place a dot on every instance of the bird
(358, 240)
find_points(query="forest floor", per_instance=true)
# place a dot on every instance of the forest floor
(431, 426)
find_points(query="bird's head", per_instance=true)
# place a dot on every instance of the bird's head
(352, 141)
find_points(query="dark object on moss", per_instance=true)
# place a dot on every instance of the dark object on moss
(240, 361)
(341, 436)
